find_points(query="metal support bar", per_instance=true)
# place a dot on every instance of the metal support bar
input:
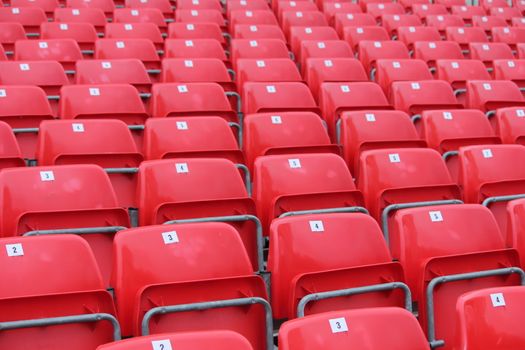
(53, 97)
(25, 130)
(373, 74)
(458, 92)
(338, 131)
(136, 127)
(227, 36)
(160, 52)
(33, 35)
(325, 211)
(238, 128)
(232, 73)
(247, 177)
(415, 118)
(240, 115)
(434, 343)
(449, 154)
(57, 321)
(487, 202)
(233, 218)
(394, 207)
(121, 170)
(145, 95)
(219, 304)
(490, 114)
(353, 291)
(69, 72)
(77, 231)
(153, 71)
(88, 52)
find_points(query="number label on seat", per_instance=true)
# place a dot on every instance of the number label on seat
(106, 65)
(14, 249)
(24, 66)
(271, 89)
(47, 176)
(370, 117)
(182, 168)
(3, 93)
(394, 158)
(316, 226)
(94, 91)
(435, 216)
(447, 115)
(498, 299)
(77, 127)
(161, 345)
(338, 325)
(182, 89)
(520, 112)
(190, 27)
(261, 64)
(170, 237)
(276, 119)
(294, 163)
(182, 125)
(328, 63)
(487, 153)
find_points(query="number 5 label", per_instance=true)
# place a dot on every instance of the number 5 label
(161, 345)
(338, 325)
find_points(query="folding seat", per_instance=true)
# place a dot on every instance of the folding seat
(142, 49)
(389, 71)
(83, 33)
(186, 99)
(442, 22)
(29, 17)
(299, 182)
(221, 340)
(277, 97)
(392, 22)
(409, 4)
(458, 72)
(258, 49)
(3, 56)
(424, 10)
(23, 108)
(316, 253)
(343, 20)
(507, 13)
(364, 3)
(48, 6)
(107, 6)
(521, 50)
(466, 35)
(56, 296)
(94, 16)
(258, 31)
(513, 70)
(65, 51)
(488, 22)
(331, 9)
(180, 30)
(10, 154)
(321, 70)
(467, 12)
(371, 51)
(302, 19)
(270, 70)
(410, 35)
(199, 5)
(397, 178)
(98, 102)
(508, 35)
(286, 133)
(509, 125)
(145, 30)
(364, 328)
(200, 16)
(142, 15)
(518, 22)
(219, 293)
(194, 137)
(107, 143)
(318, 33)
(251, 17)
(414, 97)
(164, 6)
(442, 260)
(172, 190)
(438, 50)
(11, 32)
(372, 129)
(285, 5)
(323, 49)
(336, 98)
(447, 131)
(450, 3)
(488, 96)
(194, 48)
(75, 209)
(239, 5)
(48, 75)
(389, 8)
(488, 4)
(354, 35)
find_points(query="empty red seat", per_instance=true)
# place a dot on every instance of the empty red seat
(266, 70)
(508, 35)
(354, 35)
(513, 70)
(435, 242)
(389, 71)
(199, 30)
(488, 22)
(318, 33)
(509, 124)
(10, 32)
(199, 5)
(98, 102)
(331, 9)
(57, 291)
(95, 16)
(392, 22)
(164, 6)
(120, 71)
(46, 5)
(296, 182)
(403, 175)
(493, 94)
(258, 31)
(29, 17)
(442, 22)
(458, 72)
(505, 12)
(302, 19)
(251, 17)
(236, 5)
(410, 35)
(321, 70)
(142, 15)
(520, 21)
(371, 51)
(488, 52)
(107, 6)
(142, 49)
(48, 75)
(144, 30)
(467, 12)
(489, 4)
(450, 3)
(10, 154)
(343, 20)
(323, 49)
(83, 33)
(435, 50)
(107, 143)
(424, 10)
(65, 51)
(466, 35)
(200, 16)
(312, 253)
(285, 133)
(355, 329)
(372, 129)
(186, 99)
(222, 340)
(259, 49)
(285, 5)
(381, 8)
(195, 137)
(194, 48)
(415, 97)
(515, 235)
(75, 208)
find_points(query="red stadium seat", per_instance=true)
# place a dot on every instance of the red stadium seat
(107, 143)
(83, 33)
(251, 17)
(94, 16)
(355, 35)
(442, 22)
(515, 235)
(509, 125)
(164, 6)
(300, 34)
(371, 51)
(266, 70)
(513, 70)
(277, 97)
(450, 3)
(331, 9)
(10, 32)
(354, 329)
(53, 278)
(488, 22)
(200, 16)
(506, 12)
(520, 21)
(199, 5)
(144, 30)
(285, 5)
(296, 182)
(29, 17)
(411, 35)
(258, 31)
(392, 22)
(425, 10)
(493, 94)
(388, 8)
(199, 30)
(343, 20)
(323, 49)
(438, 50)
(237, 5)
(466, 35)
(302, 19)
(467, 12)
(65, 51)
(458, 72)
(107, 6)
(508, 35)
(194, 48)
(10, 154)
(489, 4)
(488, 52)
(48, 6)
(389, 71)
(142, 49)
(142, 15)
(259, 49)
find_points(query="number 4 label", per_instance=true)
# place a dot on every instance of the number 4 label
(14, 249)
(338, 325)
(161, 345)
(316, 226)
(497, 299)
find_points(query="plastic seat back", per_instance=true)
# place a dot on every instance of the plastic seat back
(301, 19)
(251, 17)
(505, 12)
(317, 33)
(10, 154)
(466, 35)
(458, 72)
(371, 51)
(513, 70)
(324, 49)
(10, 32)
(424, 10)
(65, 51)
(47, 5)
(142, 49)
(29, 17)
(83, 33)
(443, 21)
(389, 71)
(467, 12)
(143, 30)
(164, 6)
(200, 16)
(266, 70)
(95, 16)
(257, 49)
(508, 35)
(488, 52)
(354, 35)
(140, 15)
(343, 20)
(389, 8)
(488, 22)
(258, 31)
(194, 48)
(409, 35)
(181, 30)
(107, 6)
(509, 126)
(434, 50)
(492, 94)
(393, 22)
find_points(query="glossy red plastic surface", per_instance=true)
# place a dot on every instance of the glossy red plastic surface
(196, 70)
(354, 35)
(277, 97)
(409, 35)
(513, 70)
(259, 49)
(305, 33)
(294, 18)
(10, 32)
(442, 22)
(65, 51)
(370, 51)
(488, 52)
(251, 17)
(142, 49)
(194, 48)
(266, 70)
(10, 154)
(510, 126)
(135, 31)
(323, 49)
(95, 16)
(466, 35)
(389, 71)
(343, 20)
(393, 22)
(434, 50)
(199, 30)
(140, 15)
(488, 95)
(48, 75)
(29, 17)
(83, 33)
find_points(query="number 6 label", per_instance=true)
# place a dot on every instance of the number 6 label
(338, 325)
(161, 345)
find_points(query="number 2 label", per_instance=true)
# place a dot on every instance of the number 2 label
(14, 249)
(161, 345)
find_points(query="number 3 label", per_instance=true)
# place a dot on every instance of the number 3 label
(338, 325)
(161, 345)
